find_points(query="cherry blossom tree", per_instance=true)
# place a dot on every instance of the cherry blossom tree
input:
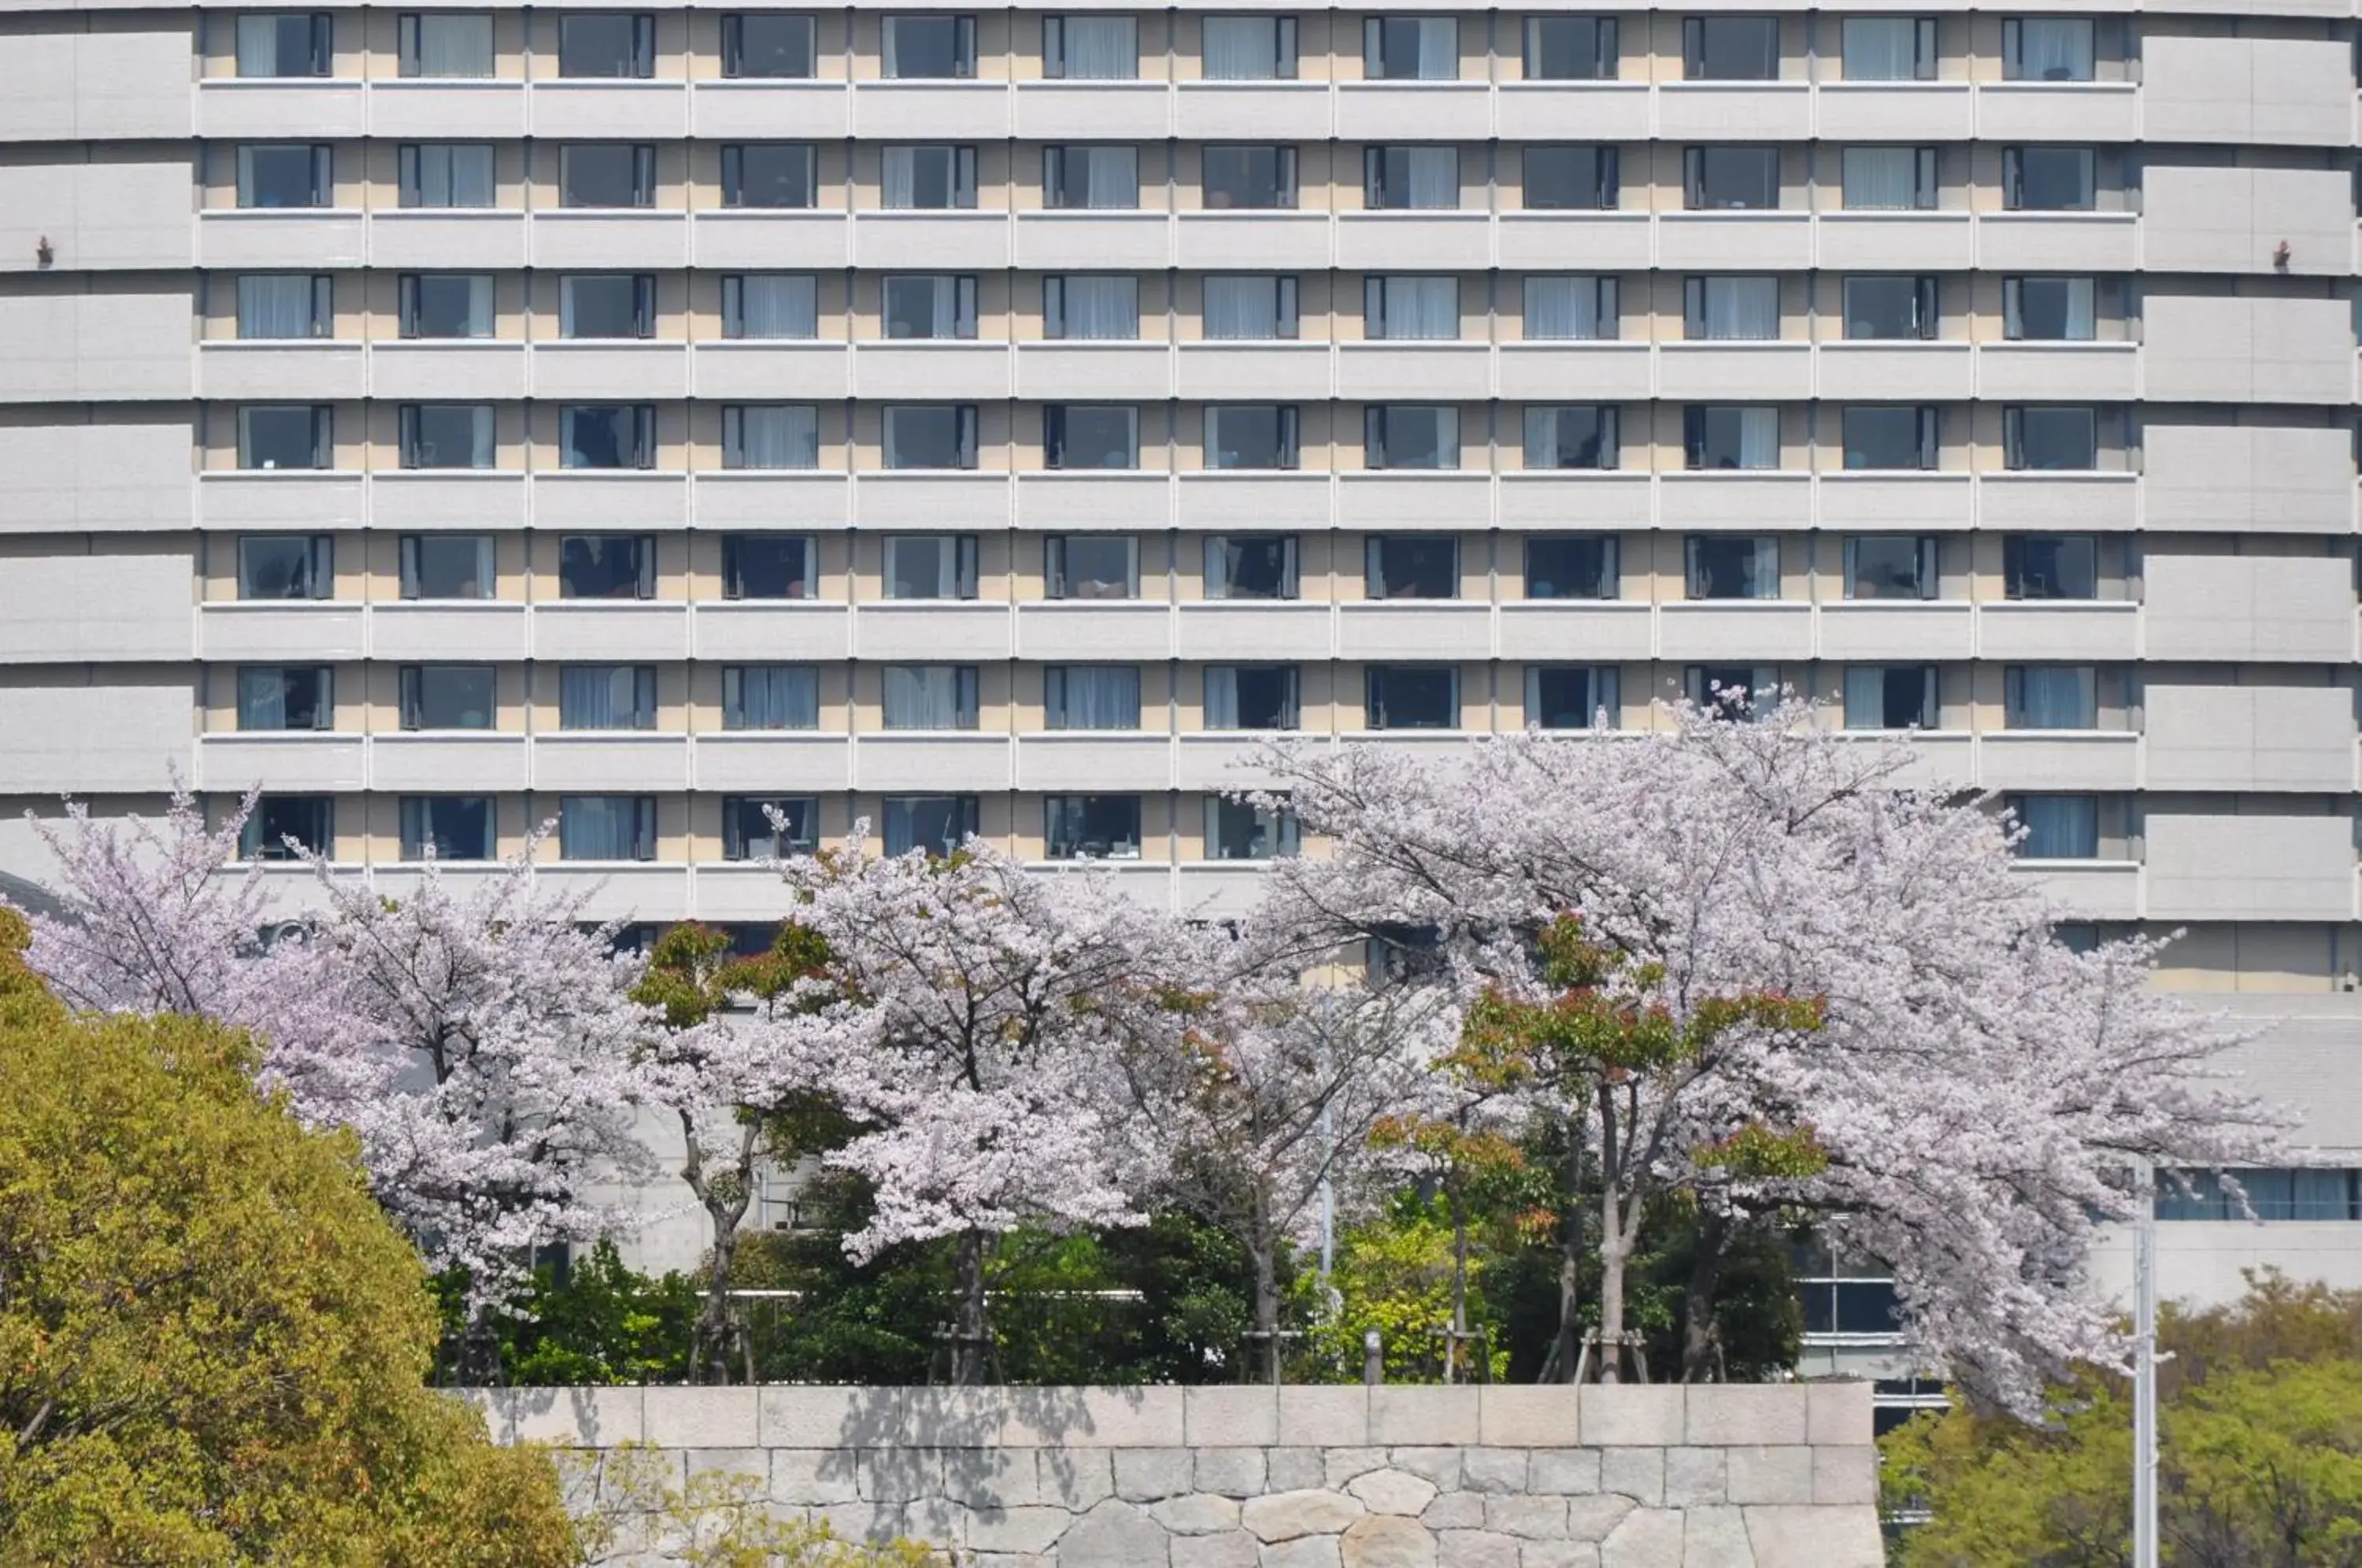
(1813, 986)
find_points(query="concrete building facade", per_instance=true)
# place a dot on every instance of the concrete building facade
(453, 420)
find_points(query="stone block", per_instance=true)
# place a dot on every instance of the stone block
(1837, 1413)
(1340, 1465)
(1558, 1554)
(639, 1477)
(866, 1522)
(829, 1418)
(1116, 1418)
(1196, 1513)
(1528, 1518)
(1648, 1538)
(578, 1477)
(1304, 1551)
(814, 1476)
(1595, 1519)
(1565, 1471)
(1392, 1492)
(752, 1465)
(1475, 1549)
(1494, 1469)
(1076, 1478)
(1147, 1474)
(1018, 1529)
(1236, 1549)
(1529, 1416)
(1239, 1472)
(1324, 1417)
(1219, 1417)
(1696, 1475)
(1440, 1465)
(1114, 1534)
(1715, 1538)
(1298, 1469)
(699, 1417)
(1387, 1540)
(1454, 1510)
(1815, 1538)
(1723, 1414)
(1845, 1475)
(1283, 1516)
(1634, 1472)
(899, 1474)
(569, 1418)
(1783, 1474)
(1631, 1415)
(1423, 1414)
(991, 1477)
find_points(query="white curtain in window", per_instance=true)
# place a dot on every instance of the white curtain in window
(2055, 49)
(778, 304)
(772, 697)
(2056, 697)
(1420, 307)
(1242, 308)
(1094, 697)
(900, 175)
(1431, 176)
(1438, 49)
(599, 827)
(778, 436)
(1111, 175)
(1742, 308)
(479, 436)
(2059, 827)
(597, 697)
(2082, 315)
(1758, 437)
(1763, 568)
(1881, 179)
(1222, 697)
(1104, 308)
(921, 697)
(261, 699)
(274, 305)
(1241, 48)
(1880, 48)
(1865, 697)
(453, 174)
(258, 45)
(1101, 48)
(1564, 307)
(454, 45)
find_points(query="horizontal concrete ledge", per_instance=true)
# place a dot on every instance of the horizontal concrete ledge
(1819, 1414)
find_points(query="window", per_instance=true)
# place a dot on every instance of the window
(1090, 435)
(1724, 436)
(2302, 1193)
(447, 697)
(1566, 177)
(770, 306)
(1092, 307)
(1889, 566)
(769, 44)
(607, 435)
(770, 436)
(1250, 566)
(1850, 1306)
(308, 820)
(446, 565)
(286, 43)
(607, 565)
(614, 44)
(1410, 436)
(447, 827)
(769, 566)
(607, 304)
(1240, 830)
(446, 434)
(1243, 307)
(1732, 566)
(931, 566)
(607, 697)
(286, 174)
(1237, 177)
(928, 304)
(2048, 178)
(1570, 49)
(1251, 435)
(2050, 565)
(1576, 308)
(1248, 49)
(2050, 697)
(929, 178)
(607, 827)
(286, 566)
(2047, 48)
(286, 436)
(1571, 436)
(1090, 48)
(2058, 827)
(2050, 437)
(770, 174)
(934, 824)
(928, 696)
(1571, 566)
(1730, 309)
(1090, 697)
(1410, 48)
(1730, 178)
(770, 697)
(768, 827)
(1731, 49)
(924, 47)
(1398, 954)
(1890, 179)
(449, 44)
(1404, 178)
(1104, 178)
(1412, 565)
(1889, 697)
(445, 174)
(929, 436)
(285, 304)
(446, 305)
(1400, 308)
(2049, 310)
(1251, 697)
(1890, 306)
(1733, 690)
(1571, 697)
(1411, 697)
(1091, 827)
(607, 174)
(1886, 436)
(285, 697)
(1890, 49)
(1091, 566)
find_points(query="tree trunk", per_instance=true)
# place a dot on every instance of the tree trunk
(1615, 1249)
(725, 1194)
(1699, 1334)
(1566, 1346)
(1452, 1346)
(969, 1327)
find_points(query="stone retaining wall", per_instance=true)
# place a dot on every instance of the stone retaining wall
(1730, 1476)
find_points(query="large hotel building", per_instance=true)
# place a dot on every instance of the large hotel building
(991, 420)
